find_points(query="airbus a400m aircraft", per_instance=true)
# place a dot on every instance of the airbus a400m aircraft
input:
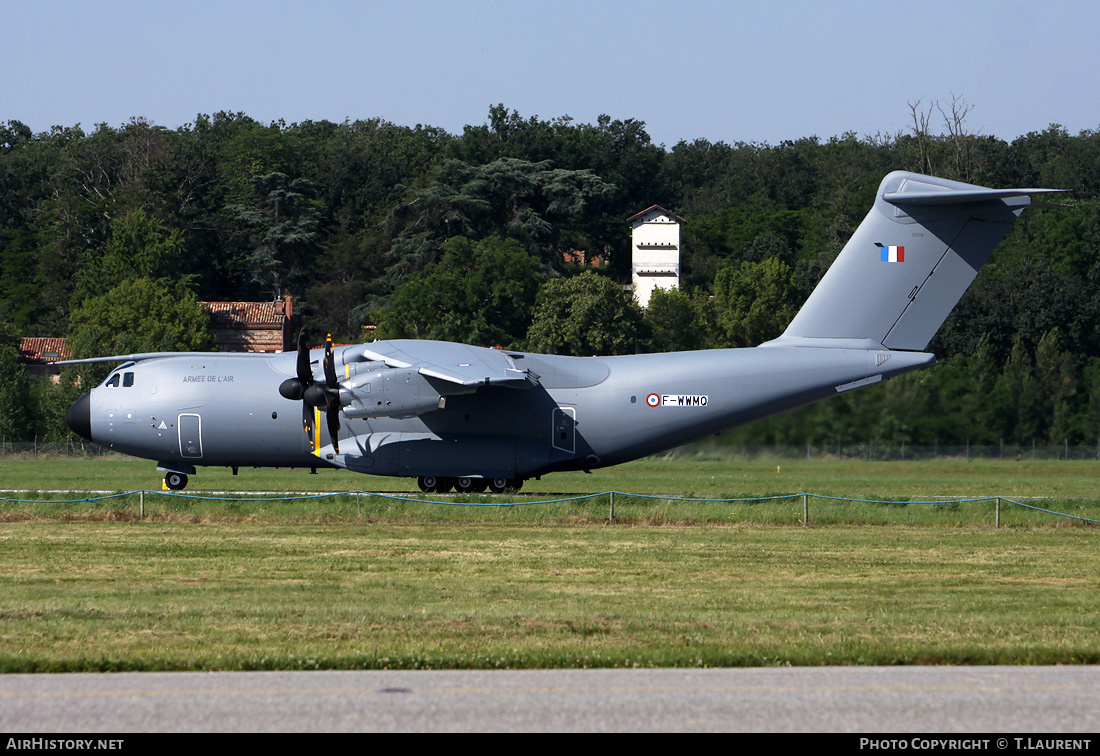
(472, 418)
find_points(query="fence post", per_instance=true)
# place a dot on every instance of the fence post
(805, 510)
(612, 497)
(358, 506)
(998, 511)
(142, 497)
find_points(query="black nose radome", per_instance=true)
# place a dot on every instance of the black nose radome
(79, 417)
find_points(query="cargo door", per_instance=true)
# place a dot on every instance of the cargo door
(564, 429)
(190, 431)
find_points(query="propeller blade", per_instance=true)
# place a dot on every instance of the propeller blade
(295, 388)
(305, 374)
(307, 425)
(330, 365)
(333, 416)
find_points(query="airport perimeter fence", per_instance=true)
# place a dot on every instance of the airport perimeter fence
(712, 449)
(873, 451)
(659, 509)
(52, 450)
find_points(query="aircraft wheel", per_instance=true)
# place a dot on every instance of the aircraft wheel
(175, 481)
(434, 484)
(505, 485)
(467, 484)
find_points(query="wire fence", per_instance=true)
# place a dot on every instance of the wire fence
(881, 452)
(51, 450)
(607, 498)
(713, 449)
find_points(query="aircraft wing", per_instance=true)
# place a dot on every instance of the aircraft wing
(161, 355)
(460, 364)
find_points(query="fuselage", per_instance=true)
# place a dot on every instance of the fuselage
(574, 413)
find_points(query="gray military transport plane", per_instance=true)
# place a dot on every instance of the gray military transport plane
(471, 418)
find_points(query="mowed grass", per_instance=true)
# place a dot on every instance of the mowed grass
(703, 475)
(1069, 487)
(376, 583)
(142, 596)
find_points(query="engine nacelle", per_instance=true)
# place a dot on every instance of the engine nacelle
(389, 392)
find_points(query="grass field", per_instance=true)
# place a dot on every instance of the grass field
(702, 475)
(222, 585)
(1071, 487)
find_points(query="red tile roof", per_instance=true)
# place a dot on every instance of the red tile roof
(243, 314)
(42, 351)
(656, 207)
(251, 326)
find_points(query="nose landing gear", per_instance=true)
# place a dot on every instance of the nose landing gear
(175, 481)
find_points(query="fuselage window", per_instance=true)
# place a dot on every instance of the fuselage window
(113, 381)
(127, 380)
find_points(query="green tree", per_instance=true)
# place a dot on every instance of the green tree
(673, 322)
(138, 315)
(479, 292)
(16, 423)
(585, 315)
(283, 224)
(754, 302)
(533, 203)
(140, 247)
(51, 402)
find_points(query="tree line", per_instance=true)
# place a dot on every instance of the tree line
(112, 237)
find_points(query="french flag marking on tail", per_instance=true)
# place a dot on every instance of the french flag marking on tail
(891, 254)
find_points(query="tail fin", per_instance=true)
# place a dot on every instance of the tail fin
(905, 268)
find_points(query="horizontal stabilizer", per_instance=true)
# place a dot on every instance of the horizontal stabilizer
(979, 194)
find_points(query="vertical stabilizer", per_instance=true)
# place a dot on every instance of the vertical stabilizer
(905, 268)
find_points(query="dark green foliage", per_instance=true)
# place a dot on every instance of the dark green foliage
(353, 219)
(139, 247)
(138, 315)
(585, 315)
(532, 203)
(753, 302)
(15, 407)
(282, 222)
(478, 293)
(674, 322)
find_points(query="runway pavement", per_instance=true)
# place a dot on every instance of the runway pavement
(818, 699)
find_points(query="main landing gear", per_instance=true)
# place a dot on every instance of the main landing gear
(175, 481)
(466, 484)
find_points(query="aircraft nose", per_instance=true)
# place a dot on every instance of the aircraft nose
(79, 416)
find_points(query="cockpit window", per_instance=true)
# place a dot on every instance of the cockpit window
(113, 381)
(127, 380)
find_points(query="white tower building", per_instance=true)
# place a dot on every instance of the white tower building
(655, 246)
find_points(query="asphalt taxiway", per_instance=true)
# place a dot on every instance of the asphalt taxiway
(815, 699)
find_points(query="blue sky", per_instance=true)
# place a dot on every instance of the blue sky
(723, 71)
